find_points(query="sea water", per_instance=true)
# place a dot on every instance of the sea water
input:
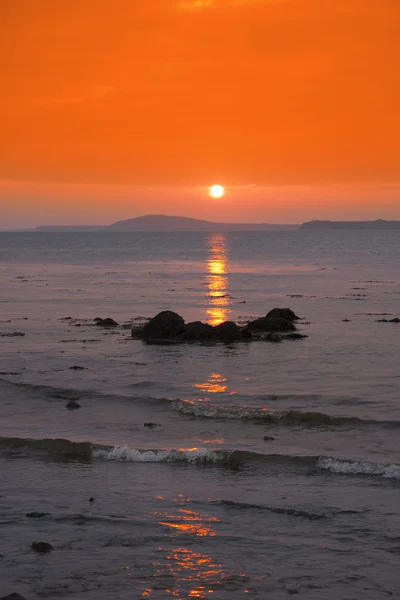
(245, 470)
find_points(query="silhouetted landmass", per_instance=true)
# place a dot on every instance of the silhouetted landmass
(378, 224)
(166, 223)
(68, 228)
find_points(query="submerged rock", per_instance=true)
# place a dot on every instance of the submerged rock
(12, 334)
(295, 336)
(395, 320)
(42, 547)
(36, 515)
(106, 322)
(284, 313)
(13, 596)
(273, 336)
(72, 405)
(167, 324)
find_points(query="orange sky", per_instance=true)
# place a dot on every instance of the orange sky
(112, 109)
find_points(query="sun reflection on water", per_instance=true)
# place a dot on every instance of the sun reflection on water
(217, 281)
(214, 385)
(182, 572)
(188, 521)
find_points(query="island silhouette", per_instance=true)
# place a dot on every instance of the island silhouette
(176, 223)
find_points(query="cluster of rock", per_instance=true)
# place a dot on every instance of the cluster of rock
(395, 320)
(169, 327)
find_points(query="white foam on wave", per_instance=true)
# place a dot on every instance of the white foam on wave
(222, 412)
(389, 471)
(191, 455)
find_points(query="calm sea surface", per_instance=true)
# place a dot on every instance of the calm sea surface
(271, 469)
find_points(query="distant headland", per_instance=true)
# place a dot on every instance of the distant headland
(378, 224)
(168, 223)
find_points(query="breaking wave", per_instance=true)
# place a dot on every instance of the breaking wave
(208, 410)
(386, 470)
(191, 455)
(56, 448)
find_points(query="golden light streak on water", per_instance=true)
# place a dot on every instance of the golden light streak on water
(217, 280)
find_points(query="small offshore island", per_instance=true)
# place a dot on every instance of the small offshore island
(166, 223)
(378, 224)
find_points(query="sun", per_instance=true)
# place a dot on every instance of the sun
(216, 191)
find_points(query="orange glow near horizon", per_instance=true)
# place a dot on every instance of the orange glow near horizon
(134, 108)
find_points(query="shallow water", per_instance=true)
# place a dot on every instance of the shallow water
(200, 505)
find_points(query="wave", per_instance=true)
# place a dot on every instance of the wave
(274, 417)
(292, 512)
(386, 470)
(191, 455)
(207, 410)
(50, 392)
(88, 451)
(56, 447)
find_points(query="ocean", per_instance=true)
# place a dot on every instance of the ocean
(219, 471)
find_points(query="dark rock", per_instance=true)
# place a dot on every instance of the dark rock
(13, 596)
(36, 515)
(167, 324)
(12, 334)
(291, 591)
(137, 332)
(72, 405)
(395, 320)
(227, 332)
(106, 322)
(271, 324)
(246, 333)
(42, 547)
(346, 320)
(168, 327)
(284, 313)
(295, 336)
(268, 438)
(273, 336)
(96, 319)
(196, 330)
(150, 425)
(91, 499)
(77, 368)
